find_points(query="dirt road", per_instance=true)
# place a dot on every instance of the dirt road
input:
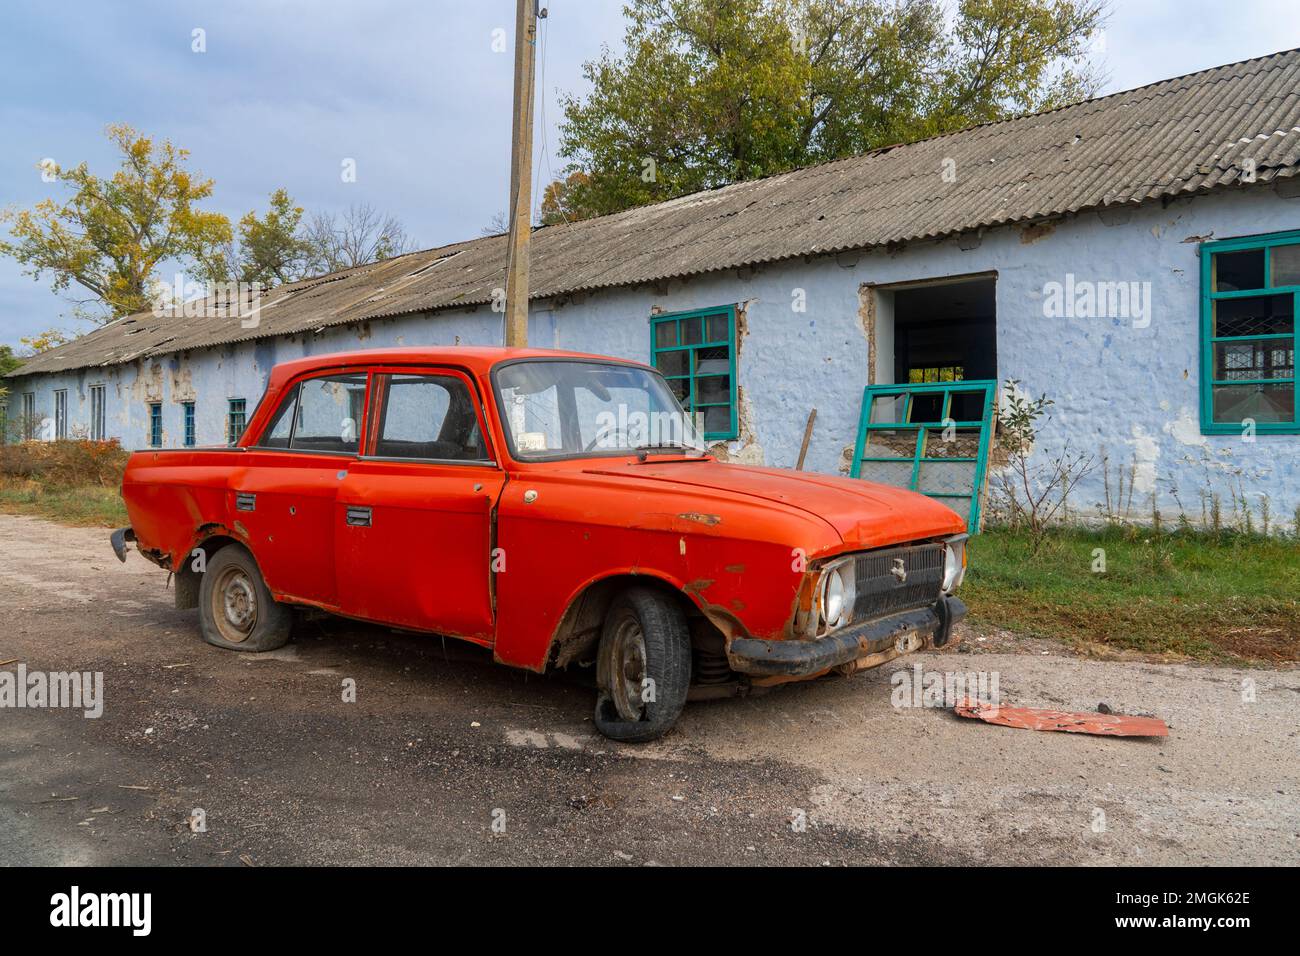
(447, 758)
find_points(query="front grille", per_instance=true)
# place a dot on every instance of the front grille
(879, 590)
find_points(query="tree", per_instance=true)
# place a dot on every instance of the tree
(8, 361)
(43, 342)
(710, 92)
(271, 250)
(498, 224)
(359, 236)
(110, 237)
(559, 199)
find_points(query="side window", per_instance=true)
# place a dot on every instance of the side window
(328, 414)
(429, 417)
(695, 352)
(280, 428)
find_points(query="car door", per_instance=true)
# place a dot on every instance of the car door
(284, 492)
(413, 517)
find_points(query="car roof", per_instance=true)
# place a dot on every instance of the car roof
(476, 358)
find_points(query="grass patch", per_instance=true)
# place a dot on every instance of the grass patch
(1226, 598)
(86, 506)
(75, 482)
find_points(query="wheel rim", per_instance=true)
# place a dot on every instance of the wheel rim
(234, 605)
(628, 669)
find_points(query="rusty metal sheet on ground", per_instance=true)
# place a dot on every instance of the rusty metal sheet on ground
(1042, 718)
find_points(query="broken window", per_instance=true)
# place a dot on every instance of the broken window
(1249, 293)
(695, 352)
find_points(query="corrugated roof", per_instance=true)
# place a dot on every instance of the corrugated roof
(1177, 137)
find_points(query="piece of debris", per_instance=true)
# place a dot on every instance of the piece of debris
(130, 786)
(13, 661)
(1104, 708)
(247, 860)
(1042, 718)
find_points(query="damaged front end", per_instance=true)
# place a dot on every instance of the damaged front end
(862, 610)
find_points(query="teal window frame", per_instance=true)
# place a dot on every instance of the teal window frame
(188, 408)
(236, 419)
(986, 388)
(155, 425)
(663, 318)
(1266, 242)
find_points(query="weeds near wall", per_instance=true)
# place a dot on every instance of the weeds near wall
(64, 463)
(75, 482)
(1031, 495)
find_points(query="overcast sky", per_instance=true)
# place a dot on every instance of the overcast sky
(412, 91)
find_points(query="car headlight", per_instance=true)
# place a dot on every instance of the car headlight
(954, 563)
(836, 597)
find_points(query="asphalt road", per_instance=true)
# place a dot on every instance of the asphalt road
(447, 758)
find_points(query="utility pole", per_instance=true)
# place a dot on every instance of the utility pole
(521, 173)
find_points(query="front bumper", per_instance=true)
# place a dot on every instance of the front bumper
(794, 658)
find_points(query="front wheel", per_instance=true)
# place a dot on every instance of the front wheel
(236, 610)
(643, 666)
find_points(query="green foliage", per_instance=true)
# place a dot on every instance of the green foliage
(271, 249)
(8, 361)
(1225, 597)
(710, 92)
(111, 235)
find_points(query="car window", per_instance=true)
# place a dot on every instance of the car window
(280, 428)
(329, 412)
(430, 417)
(570, 408)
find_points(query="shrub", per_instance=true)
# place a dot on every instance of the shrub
(65, 463)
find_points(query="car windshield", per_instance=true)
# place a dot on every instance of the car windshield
(560, 408)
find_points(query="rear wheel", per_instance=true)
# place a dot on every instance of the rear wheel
(643, 666)
(236, 610)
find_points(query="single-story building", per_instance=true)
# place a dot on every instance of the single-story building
(1135, 257)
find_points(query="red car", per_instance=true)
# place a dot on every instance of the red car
(556, 507)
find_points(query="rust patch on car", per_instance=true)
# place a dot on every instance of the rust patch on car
(699, 518)
(735, 569)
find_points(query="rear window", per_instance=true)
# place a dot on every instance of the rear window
(320, 414)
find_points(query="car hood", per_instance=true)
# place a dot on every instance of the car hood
(864, 514)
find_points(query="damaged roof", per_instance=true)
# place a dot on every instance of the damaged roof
(1178, 137)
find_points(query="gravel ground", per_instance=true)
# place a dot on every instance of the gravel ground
(441, 744)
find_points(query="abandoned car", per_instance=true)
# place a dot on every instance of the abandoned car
(558, 508)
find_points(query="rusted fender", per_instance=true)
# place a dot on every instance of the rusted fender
(1042, 718)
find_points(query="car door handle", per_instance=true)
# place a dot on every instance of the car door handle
(358, 517)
